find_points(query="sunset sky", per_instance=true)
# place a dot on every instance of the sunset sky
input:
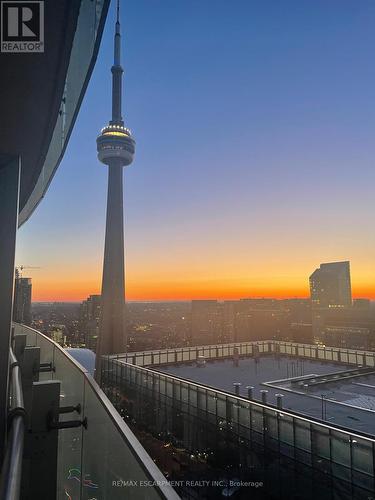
(255, 160)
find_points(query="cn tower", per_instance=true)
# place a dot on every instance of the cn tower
(116, 148)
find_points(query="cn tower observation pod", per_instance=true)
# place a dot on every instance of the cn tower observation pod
(115, 143)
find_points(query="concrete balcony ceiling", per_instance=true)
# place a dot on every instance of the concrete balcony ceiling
(41, 93)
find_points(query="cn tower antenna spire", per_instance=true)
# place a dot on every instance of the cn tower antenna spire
(117, 72)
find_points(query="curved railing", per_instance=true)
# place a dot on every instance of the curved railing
(105, 459)
(12, 465)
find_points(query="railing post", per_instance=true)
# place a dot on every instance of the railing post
(42, 441)
(30, 373)
(19, 345)
(9, 204)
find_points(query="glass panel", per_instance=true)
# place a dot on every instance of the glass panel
(340, 448)
(211, 402)
(106, 478)
(257, 419)
(70, 440)
(244, 417)
(202, 400)
(302, 435)
(234, 410)
(344, 357)
(286, 434)
(169, 388)
(321, 353)
(271, 424)
(31, 335)
(320, 441)
(369, 360)
(162, 385)
(362, 455)
(352, 358)
(221, 407)
(184, 393)
(147, 359)
(47, 348)
(193, 397)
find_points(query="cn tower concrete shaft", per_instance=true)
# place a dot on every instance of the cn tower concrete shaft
(112, 332)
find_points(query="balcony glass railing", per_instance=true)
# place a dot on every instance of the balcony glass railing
(103, 460)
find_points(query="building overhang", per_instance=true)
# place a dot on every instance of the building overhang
(41, 93)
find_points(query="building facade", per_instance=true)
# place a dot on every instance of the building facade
(330, 285)
(22, 300)
(89, 321)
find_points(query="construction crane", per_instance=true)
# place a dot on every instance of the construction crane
(19, 270)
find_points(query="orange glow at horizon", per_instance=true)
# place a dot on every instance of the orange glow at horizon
(77, 291)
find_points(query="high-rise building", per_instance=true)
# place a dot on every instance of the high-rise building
(22, 300)
(330, 289)
(89, 321)
(330, 286)
(116, 149)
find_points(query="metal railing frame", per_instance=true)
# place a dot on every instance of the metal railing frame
(11, 472)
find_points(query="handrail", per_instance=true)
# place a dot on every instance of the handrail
(16, 385)
(11, 471)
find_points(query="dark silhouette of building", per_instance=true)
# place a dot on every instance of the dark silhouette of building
(330, 285)
(22, 300)
(330, 288)
(89, 321)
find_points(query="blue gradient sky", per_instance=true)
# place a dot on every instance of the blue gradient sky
(254, 122)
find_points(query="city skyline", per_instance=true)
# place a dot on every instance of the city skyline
(235, 217)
